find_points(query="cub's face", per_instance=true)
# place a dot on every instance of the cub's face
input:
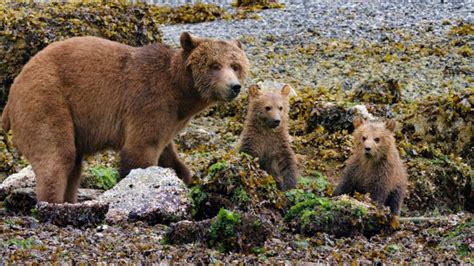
(270, 108)
(373, 139)
(218, 67)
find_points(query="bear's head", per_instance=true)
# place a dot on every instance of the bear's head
(218, 67)
(373, 140)
(269, 108)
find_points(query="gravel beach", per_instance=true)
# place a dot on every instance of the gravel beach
(336, 47)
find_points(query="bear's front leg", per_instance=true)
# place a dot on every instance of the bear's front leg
(394, 200)
(169, 158)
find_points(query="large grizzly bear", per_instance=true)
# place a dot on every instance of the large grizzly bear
(375, 166)
(265, 135)
(86, 94)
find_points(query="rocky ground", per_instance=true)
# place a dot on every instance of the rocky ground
(412, 62)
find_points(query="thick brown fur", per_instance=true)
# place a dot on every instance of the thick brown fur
(266, 138)
(86, 94)
(375, 166)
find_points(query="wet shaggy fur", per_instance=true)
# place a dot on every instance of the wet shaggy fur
(265, 135)
(375, 166)
(87, 94)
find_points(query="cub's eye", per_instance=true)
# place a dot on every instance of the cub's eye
(235, 67)
(215, 67)
(377, 140)
(281, 108)
(364, 138)
(268, 108)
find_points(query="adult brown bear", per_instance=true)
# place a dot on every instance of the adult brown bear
(86, 94)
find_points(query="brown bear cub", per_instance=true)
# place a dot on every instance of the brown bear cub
(375, 166)
(265, 135)
(87, 94)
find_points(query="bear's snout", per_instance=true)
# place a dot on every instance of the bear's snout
(275, 123)
(235, 88)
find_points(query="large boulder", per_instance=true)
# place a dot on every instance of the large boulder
(154, 195)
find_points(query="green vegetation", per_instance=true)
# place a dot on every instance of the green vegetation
(104, 177)
(20, 243)
(222, 232)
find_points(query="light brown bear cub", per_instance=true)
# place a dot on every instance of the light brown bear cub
(87, 94)
(265, 135)
(375, 166)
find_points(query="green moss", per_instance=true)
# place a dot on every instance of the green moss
(222, 232)
(198, 199)
(104, 177)
(213, 169)
(341, 216)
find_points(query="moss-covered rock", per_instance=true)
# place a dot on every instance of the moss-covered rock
(340, 216)
(234, 181)
(382, 91)
(228, 231)
(440, 183)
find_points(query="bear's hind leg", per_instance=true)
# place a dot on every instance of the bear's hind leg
(74, 181)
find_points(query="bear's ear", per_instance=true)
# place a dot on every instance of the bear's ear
(254, 91)
(188, 42)
(357, 122)
(285, 90)
(391, 124)
(236, 43)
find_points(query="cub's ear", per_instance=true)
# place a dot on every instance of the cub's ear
(391, 125)
(357, 122)
(188, 42)
(236, 43)
(285, 90)
(254, 91)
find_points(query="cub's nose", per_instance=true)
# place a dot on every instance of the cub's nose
(367, 148)
(276, 123)
(235, 88)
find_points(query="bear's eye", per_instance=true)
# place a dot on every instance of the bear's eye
(235, 67)
(268, 108)
(364, 138)
(281, 108)
(377, 140)
(215, 66)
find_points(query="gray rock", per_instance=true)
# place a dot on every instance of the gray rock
(154, 195)
(22, 200)
(23, 179)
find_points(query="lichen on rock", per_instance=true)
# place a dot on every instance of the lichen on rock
(154, 195)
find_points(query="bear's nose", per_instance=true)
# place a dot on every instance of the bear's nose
(367, 148)
(235, 88)
(276, 123)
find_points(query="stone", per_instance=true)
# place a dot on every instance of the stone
(22, 200)
(23, 179)
(89, 213)
(154, 195)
